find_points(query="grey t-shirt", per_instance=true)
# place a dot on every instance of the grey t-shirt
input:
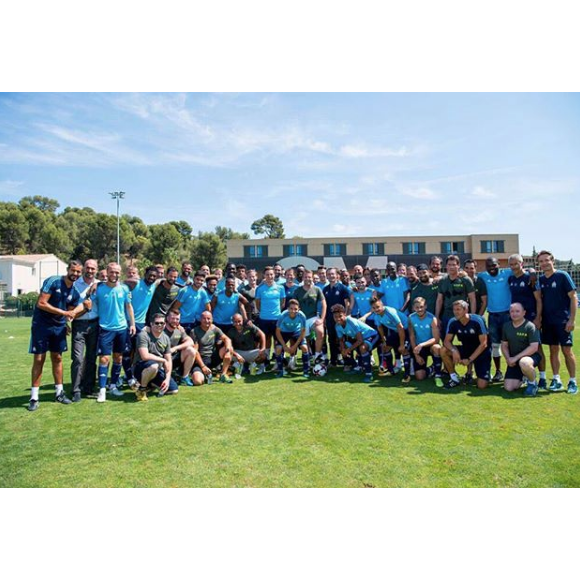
(206, 340)
(519, 338)
(157, 346)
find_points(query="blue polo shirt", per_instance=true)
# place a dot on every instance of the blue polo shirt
(193, 303)
(499, 297)
(270, 297)
(225, 307)
(394, 291)
(291, 325)
(141, 297)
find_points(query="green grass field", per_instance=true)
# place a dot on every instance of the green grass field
(262, 432)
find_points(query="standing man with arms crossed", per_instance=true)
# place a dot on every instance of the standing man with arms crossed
(85, 336)
(560, 303)
(58, 303)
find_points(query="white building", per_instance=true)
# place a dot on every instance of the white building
(22, 274)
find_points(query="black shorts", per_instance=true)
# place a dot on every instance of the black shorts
(394, 340)
(212, 362)
(556, 335)
(176, 358)
(424, 354)
(268, 327)
(159, 377)
(481, 365)
(290, 336)
(516, 372)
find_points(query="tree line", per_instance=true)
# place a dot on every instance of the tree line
(35, 225)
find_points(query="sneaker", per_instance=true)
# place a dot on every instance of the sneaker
(368, 378)
(572, 388)
(452, 384)
(468, 379)
(186, 381)
(133, 384)
(113, 390)
(62, 398)
(237, 367)
(281, 374)
(292, 363)
(141, 395)
(76, 397)
(497, 378)
(225, 379)
(406, 379)
(32, 405)
(431, 371)
(531, 390)
(556, 386)
(261, 369)
(439, 382)
(543, 384)
(306, 374)
(102, 396)
(383, 372)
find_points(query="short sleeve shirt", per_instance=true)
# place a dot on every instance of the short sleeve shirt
(519, 338)
(157, 346)
(309, 300)
(452, 290)
(270, 297)
(206, 339)
(61, 297)
(245, 340)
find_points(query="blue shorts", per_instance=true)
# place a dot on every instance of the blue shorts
(481, 365)
(516, 372)
(158, 378)
(112, 341)
(189, 326)
(268, 327)
(45, 338)
(290, 336)
(495, 322)
(371, 342)
(556, 335)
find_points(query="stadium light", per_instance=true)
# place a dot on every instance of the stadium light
(118, 195)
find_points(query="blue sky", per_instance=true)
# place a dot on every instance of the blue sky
(325, 163)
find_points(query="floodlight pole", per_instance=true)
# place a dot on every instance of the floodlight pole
(118, 195)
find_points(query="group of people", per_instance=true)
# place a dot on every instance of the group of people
(170, 328)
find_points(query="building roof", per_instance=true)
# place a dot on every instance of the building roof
(27, 258)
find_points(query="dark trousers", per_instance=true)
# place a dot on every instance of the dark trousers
(332, 339)
(85, 335)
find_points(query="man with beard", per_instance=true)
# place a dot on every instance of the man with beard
(394, 289)
(185, 277)
(425, 289)
(470, 268)
(192, 301)
(182, 350)
(164, 295)
(59, 302)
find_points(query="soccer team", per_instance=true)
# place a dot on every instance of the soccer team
(172, 328)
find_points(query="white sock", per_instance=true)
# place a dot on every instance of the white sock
(542, 374)
(58, 389)
(103, 389)
(34, 393)
(573, 380)
(556, 377)
(455, 377)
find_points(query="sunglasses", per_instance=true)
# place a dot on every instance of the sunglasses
(159, 324)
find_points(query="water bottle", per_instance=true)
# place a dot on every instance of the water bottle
(209, 379)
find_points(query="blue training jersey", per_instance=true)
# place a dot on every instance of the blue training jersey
(522, 292)
(391, 317)
(362, 302)
(352, 327)
(291, 325)
(423, 328)
(112, 303)
(498, 290)
(193, 303)
(394, 291)
(225, 307)
(270, 297)
(555, 299)
(468, 334)
(61, 296)
(141, 297)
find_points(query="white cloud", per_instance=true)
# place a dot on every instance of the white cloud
(483, 193)
(10, 188)
(420, 193)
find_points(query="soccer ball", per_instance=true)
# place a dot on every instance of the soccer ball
(320, 367)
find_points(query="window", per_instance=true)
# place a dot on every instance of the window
(492, 246)
(334, 249)
(374, 249)
(295, 250)
(452, 247)
(412, 248)
(255, 251)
